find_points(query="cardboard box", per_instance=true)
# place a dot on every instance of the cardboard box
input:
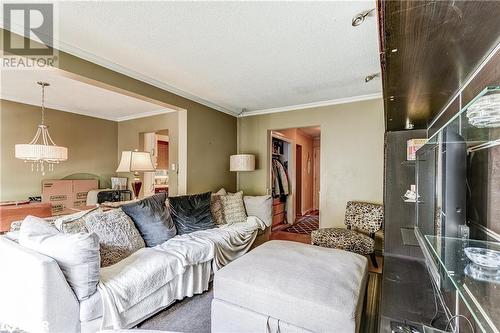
(412, 146)
(80, 190)
(67, 194)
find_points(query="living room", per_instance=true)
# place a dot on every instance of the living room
(176, 166)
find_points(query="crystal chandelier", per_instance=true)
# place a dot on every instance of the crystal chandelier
(41, 152)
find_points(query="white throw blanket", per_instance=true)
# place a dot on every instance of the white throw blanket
(133, 279)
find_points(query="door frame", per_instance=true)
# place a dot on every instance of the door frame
(298, 179)
(316, 176)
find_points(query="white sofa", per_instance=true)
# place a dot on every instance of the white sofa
(36, 297)
(286, 286)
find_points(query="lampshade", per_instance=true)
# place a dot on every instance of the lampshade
(242, 162)
(135, 161)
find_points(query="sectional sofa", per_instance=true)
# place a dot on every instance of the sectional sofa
(37, 295)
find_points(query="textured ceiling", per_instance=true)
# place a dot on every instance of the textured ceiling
(74, 96)
(231, 55)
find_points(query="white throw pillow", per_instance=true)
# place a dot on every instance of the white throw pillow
(261, 207)
(76, 254)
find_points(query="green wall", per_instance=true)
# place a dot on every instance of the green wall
(352, 153)
(91, 142)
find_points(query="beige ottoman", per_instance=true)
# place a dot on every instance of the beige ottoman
(284, 286)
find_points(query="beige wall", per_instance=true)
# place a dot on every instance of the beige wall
(91, 143)
(352, 151)
(128, 138)
(211, 135)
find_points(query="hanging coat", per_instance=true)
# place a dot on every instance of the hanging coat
(280, 180)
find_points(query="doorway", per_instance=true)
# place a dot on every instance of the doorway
(294, 182)
(298, 179)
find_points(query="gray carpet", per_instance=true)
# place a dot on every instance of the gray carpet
(193, 314)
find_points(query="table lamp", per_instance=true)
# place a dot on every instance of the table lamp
(242, 162)
(136, 161)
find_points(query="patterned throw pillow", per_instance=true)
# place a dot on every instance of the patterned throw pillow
(118, 237)
(16, 225)
(72, 223)
(216, 207)
(233, 208)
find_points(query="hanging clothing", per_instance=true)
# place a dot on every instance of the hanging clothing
(281, 187)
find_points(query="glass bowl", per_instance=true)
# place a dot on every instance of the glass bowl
(485, 258)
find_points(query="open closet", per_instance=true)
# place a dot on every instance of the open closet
(294, 178)
(280, 180)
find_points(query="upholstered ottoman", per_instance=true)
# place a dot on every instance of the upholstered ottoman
(284, 286)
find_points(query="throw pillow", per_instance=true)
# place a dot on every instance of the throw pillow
(152, 218)
(191, 212)
(216, 207)
(16, 225)
(233, 208)
(118, 237)
(261, 207)
(76, 254)
(72, 223)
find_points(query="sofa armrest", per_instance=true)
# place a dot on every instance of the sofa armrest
(35, 295)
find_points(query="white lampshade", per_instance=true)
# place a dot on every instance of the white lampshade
(135, 161)
(242, 162)
(34, 152)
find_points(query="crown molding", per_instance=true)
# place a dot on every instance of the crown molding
(58, 107)
(139, 76)
(313, 105)
(75, 51)
(144, 114)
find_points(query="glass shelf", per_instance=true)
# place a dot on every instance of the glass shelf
(475, 136)
(478, 288)
(409, 163)
(409, 201)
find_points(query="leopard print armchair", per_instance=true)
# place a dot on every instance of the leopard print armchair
(359, 216)
(365, 216)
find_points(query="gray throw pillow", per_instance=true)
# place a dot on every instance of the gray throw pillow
(76, 254)
(233, 208)
(191, 212)
(152, 218)
(118, 237)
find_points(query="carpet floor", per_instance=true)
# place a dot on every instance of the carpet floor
(193, 314)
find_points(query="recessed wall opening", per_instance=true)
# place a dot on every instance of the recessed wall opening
(294, 172)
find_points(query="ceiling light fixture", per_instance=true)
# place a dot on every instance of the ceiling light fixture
(370, 77)
(394, 50)
(42, 149)
(485, 111)
(360, 18)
